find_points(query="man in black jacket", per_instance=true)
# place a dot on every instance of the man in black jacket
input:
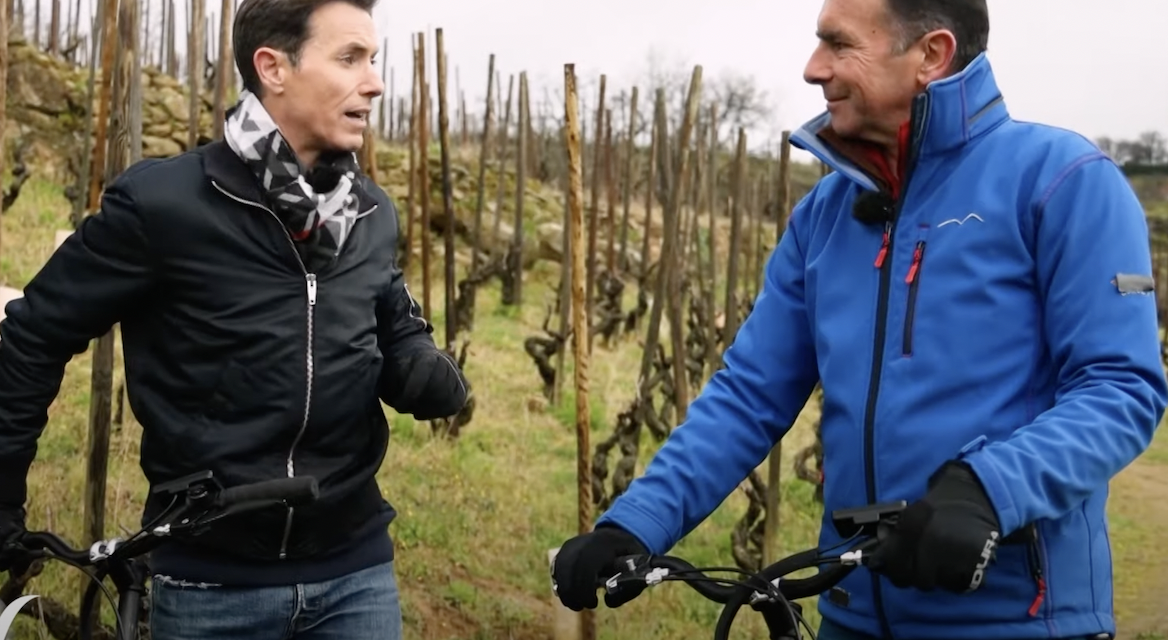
(263, 320)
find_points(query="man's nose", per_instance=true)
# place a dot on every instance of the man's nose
(818, 69)
(373, 86)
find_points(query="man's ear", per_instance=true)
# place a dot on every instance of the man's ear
(938, 48)
(272, 68)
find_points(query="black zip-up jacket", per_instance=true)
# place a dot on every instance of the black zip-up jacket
(237, 360)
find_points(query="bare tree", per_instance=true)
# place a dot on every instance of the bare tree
(1148, 148)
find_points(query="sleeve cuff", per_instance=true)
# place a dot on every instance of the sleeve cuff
(644, 527)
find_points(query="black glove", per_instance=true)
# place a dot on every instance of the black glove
(585, 560)
(427, 384)
(11, 528)
(947, 539)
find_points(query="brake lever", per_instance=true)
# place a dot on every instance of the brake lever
(859, 555)
(635, 572)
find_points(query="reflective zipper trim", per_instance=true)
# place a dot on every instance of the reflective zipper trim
(310, 282)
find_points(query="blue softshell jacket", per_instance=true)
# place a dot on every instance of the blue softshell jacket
(1011, 324)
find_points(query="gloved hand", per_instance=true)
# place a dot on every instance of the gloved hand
(947, 539)
(588, 558)
(11, 528)
(427, 384)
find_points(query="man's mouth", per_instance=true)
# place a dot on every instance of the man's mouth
(358, 115)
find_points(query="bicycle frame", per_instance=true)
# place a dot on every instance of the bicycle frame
(196, 501)
(769, 591)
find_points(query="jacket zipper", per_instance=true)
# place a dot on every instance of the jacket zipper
(920, 106)
(913, 280)
(310, 283)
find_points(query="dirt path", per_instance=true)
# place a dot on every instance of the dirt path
(1139, 514)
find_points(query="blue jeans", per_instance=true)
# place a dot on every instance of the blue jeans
(831, 631)
(359, 606)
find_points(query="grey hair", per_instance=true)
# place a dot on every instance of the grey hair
(967, 20)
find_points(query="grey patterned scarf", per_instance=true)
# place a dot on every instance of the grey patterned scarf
(317, 207)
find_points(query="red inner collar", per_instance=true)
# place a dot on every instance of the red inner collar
(871, 157)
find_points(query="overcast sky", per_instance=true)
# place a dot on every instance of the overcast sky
(1100, 68)
(1099, 71)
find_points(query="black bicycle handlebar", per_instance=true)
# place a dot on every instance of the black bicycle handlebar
(769, 590)
(651, 569)
(205, 502)
(33, 541)
(196, 502)
(794, 589)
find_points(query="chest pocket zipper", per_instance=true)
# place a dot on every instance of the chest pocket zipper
(913, 280)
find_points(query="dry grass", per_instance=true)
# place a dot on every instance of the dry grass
(477, 515)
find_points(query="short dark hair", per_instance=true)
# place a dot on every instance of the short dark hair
(968, 20)
(279, 24)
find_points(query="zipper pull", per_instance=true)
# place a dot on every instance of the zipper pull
(884, 245)
(916, 262)
(1038, 599)
(311, 277)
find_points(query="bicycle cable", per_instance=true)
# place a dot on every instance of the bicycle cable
(99, 580)
(682, 576)
(841, 543)
(803, 621)
(705, 570)
(98, 577)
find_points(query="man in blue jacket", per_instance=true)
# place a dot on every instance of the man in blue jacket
(975, 295)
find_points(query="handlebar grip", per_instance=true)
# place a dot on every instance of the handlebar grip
(294, 491)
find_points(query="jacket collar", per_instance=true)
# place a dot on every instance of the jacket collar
(948, 114)
(225, 169)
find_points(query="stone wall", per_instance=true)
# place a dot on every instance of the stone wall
(46, 114)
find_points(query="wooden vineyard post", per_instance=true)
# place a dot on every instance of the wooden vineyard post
(125, 131)
(501, 166)
(447, 196)
(424, 168)
(195, 44)
(512, 289)
(484, 157)
(579, 323)
(770, 541)
(594, 205)
(101, 376)
(225, 75)
(672, 261)
(730, 329)
(412, 138)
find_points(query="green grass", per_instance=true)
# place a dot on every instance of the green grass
(477, 515)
